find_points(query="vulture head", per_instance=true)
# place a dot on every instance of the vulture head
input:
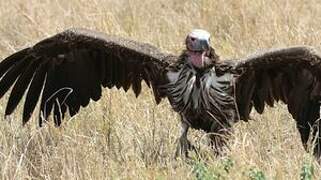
(198, 47)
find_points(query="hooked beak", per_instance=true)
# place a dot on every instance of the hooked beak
(201, 46)
(205, 45)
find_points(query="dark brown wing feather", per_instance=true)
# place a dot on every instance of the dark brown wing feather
(292, 75)
(70, 68)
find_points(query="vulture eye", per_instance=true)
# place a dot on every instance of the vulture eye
(193, 39)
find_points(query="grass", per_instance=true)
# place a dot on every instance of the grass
(121, 137)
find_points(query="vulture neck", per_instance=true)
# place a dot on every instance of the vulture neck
(196, 59)
(201, 60)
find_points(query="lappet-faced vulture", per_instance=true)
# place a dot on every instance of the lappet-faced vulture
(71, 67)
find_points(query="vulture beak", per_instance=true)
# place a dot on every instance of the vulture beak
(204, 44)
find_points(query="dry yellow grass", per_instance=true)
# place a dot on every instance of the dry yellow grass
(121, 137)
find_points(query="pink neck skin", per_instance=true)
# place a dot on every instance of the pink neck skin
(196, 58)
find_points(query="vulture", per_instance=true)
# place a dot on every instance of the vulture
(70, 68)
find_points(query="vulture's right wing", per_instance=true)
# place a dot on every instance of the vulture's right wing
(291, 75)
(70, 68)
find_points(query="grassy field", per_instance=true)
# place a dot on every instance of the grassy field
(121, 137)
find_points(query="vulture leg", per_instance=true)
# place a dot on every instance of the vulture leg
(184, 145)
(218, 142)
(219, 139)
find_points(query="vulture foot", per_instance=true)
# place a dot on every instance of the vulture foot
(184, 145)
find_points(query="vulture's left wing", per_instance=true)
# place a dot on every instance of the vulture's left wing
(68, 69)
(292, 75)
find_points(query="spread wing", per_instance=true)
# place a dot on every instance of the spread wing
(292, 75)
(69, 69)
